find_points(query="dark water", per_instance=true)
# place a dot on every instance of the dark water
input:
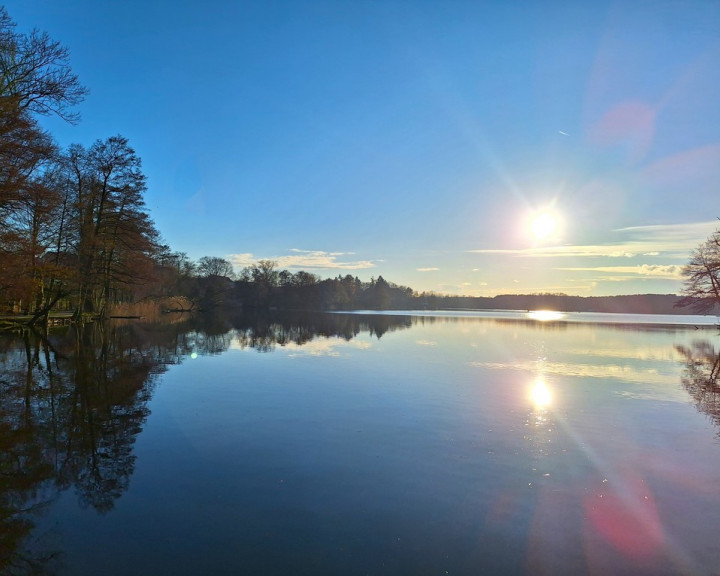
(353, 444)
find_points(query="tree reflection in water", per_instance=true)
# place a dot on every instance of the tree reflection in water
(71, 405)
(700, 377)
(73, 401)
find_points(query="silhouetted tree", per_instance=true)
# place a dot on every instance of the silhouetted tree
(72, 225)
(27, 203)
(34, 71)
(115, 241)
(701, 289)
(214, 266)
(265, 277)
(35, 79)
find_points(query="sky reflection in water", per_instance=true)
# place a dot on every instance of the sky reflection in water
(395, 446)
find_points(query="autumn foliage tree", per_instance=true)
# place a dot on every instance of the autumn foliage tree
(73, 226)
(35, 79)
(112, 237)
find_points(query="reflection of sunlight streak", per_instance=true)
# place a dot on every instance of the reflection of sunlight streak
(621, 511)
(624, 503)
(619, 507)
(545, 315)
(540, 395)
(623, 497)
(618, 504)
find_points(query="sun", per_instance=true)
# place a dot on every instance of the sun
(543, 225)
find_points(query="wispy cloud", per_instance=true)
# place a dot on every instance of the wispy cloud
(620, 371)
(606, 250)
(670, 240)
(306, 260)
(670, 271)
(320, 259)
(694, 232)
(427, 269)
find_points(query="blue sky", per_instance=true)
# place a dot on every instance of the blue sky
(413, 140)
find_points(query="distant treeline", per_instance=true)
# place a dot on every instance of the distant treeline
(178, 284)
(210, 284)
(626, 304)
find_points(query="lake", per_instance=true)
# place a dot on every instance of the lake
(380, 444)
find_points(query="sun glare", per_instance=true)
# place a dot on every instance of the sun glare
(545, 315)
(543, 225)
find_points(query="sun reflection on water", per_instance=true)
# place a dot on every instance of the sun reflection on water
(540, 395)
(545, 315)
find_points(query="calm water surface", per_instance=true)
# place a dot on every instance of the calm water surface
(357, 444)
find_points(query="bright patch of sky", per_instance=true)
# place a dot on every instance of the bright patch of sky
(414, 140)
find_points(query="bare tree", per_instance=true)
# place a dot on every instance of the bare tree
(265, 273)
(114, 238)
(701, 290)
(35, 79)
(214, 266)
(34, 69)
(266, 277)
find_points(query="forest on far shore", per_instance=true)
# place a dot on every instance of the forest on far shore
(211, 284)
